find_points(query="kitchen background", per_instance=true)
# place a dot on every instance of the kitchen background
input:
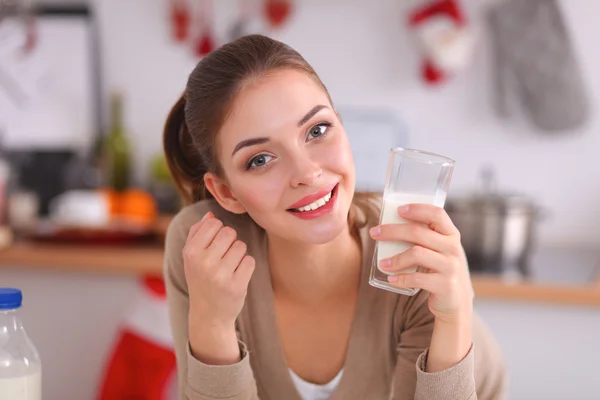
(366, 55)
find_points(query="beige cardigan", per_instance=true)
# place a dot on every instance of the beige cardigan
(387, 348)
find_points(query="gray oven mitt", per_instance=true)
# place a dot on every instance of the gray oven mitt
(535, 57)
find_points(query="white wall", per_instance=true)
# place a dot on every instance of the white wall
(362, 52)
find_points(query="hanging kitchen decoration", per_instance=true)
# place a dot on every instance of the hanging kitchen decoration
(25, 13)
(254, 16)
(206, 42)
(246, 14)
(277, 12)
(444, 38)
(536, 61)
(180, 20)
(30, 32)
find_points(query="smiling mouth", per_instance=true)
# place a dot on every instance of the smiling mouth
(315, 205)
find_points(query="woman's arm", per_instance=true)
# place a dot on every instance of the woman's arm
(446, 369)
(201, 380)
(415, 325)
(450, 343)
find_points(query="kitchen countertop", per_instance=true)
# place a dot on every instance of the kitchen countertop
(568, 277)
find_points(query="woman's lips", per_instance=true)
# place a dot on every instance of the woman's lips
(306, 200)
(319, 212)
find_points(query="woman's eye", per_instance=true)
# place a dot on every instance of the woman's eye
(259, 161)
(318, 130)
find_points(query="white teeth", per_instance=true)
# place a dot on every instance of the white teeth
(316, 204)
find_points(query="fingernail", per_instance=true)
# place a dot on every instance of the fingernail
(205, 216)
(385, 263)
(403, 209)
(393, 278)
(374, 231)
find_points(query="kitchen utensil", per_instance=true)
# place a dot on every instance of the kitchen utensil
(498, 230)
(534, 54)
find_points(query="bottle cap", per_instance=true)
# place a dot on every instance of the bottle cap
(10, 298)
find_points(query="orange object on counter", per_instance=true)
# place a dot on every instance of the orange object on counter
(112, 200)
(138, 206)
(132, 205)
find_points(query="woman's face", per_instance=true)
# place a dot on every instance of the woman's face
(287, 159)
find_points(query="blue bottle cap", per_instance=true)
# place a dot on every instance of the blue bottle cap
(10, 298)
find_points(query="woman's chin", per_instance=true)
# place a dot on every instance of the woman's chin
(321, 230)
(325, 234)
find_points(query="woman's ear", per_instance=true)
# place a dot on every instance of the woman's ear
(222, 193)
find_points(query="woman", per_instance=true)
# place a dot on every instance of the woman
(271, 301)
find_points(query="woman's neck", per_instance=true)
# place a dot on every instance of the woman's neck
(313, 273)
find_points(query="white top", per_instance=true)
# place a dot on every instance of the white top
(311, 391)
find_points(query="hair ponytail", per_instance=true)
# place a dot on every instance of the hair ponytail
(184, 162)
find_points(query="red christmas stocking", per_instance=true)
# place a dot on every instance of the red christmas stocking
(444, 37)
(142, 364)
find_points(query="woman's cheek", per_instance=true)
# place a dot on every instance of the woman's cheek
(337, 156)
(260, 193)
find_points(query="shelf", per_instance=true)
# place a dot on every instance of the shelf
(136, 260)
(139, 260)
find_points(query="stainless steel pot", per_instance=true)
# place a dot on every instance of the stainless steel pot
(497, 230)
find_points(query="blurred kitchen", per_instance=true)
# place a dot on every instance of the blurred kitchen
(85, 196)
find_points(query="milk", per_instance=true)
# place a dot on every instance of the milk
(27, 387)
(389, 215)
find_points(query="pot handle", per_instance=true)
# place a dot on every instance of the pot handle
(488, 180)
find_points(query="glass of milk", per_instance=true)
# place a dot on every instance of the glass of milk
(413, 176)
(20, 366)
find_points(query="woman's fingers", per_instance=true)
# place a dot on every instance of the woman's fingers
(196, 227)
(233, 257)
(206, 234)
(433, 283)
(417, 256)
(196, 247)
(222, 242)
(433, 216)
(243, 273)
(415, 233)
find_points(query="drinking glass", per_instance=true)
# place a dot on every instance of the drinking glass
(413, 176)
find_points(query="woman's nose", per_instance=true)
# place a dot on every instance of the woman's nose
(305, 171)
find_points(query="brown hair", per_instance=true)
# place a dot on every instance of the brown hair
(193, 123)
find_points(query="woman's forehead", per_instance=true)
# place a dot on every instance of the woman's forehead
(271, 104)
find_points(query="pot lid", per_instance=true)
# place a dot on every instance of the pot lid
(490, 199)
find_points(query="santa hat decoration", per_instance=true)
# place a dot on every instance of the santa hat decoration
(142, 364)
(444, 36)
